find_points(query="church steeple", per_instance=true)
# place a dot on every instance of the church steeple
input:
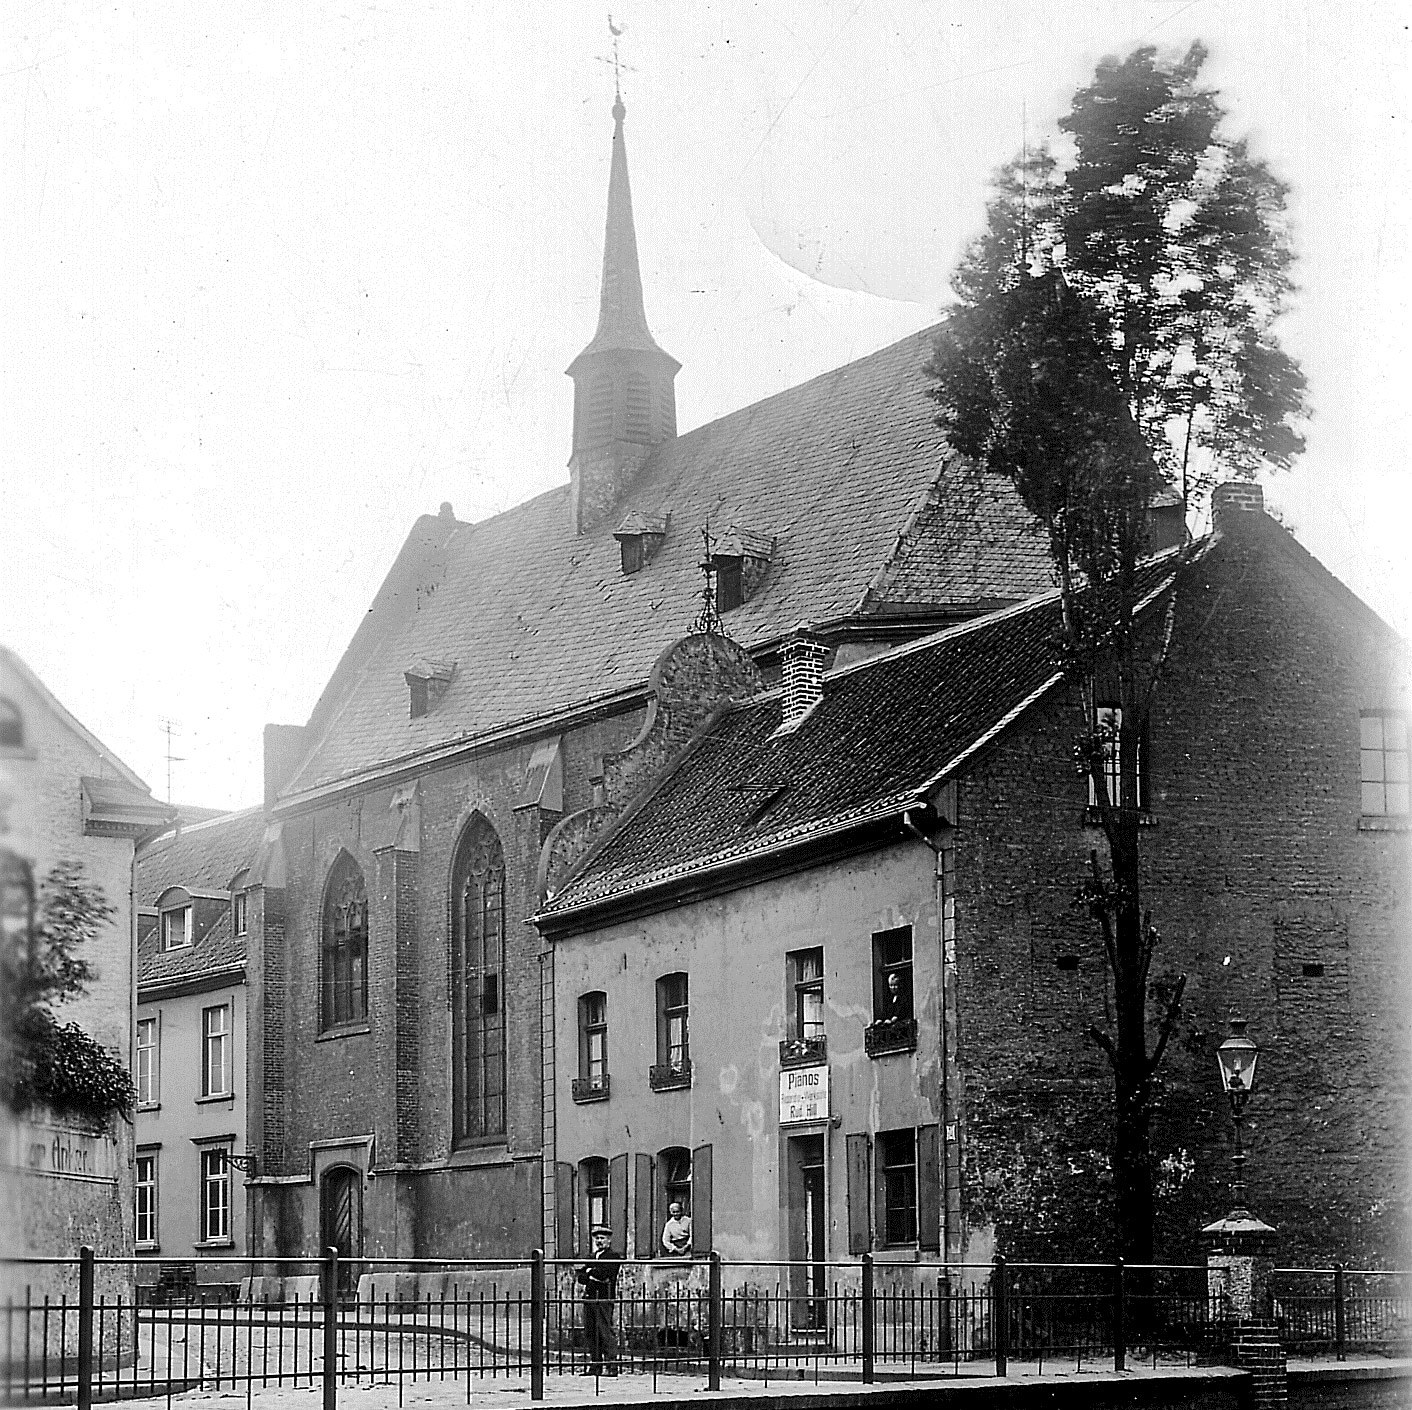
(624, 399)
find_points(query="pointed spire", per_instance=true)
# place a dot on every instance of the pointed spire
(622, 319)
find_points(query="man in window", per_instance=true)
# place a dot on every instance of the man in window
(676, 1232)
(599, 1280)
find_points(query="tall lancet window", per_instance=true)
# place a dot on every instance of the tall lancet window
(344, 957)
(478, 983)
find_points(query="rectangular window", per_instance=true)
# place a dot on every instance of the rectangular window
(215, 1051)
(593, 1040)
(897, 1186)
(892, 974)
(673, 1033)
(148, 1063)
(1107, 724)
(806, 979)
(176, 928)
(240, 911)
(1383, 764)
(594, 1173)
(215, 1194)
(145, 1194)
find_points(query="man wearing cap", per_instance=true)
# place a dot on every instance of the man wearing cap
(599, 1279)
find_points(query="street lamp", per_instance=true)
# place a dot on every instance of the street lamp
(1237, 1057)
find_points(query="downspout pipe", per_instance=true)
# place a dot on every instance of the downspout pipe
(909, 821)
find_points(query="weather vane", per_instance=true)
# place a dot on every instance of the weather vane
(708, 620)
(619, 68)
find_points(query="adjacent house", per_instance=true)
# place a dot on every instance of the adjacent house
(66, 800)
(196, 899)
(823, 983)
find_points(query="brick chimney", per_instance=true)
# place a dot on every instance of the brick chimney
(1234, 499)
(803, 656)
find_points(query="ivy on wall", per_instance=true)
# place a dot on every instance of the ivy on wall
(41, 964)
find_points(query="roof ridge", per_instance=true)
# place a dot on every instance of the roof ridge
(165, 840)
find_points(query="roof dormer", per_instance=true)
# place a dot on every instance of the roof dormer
(741, 560)
(639, 537)
(427, 681)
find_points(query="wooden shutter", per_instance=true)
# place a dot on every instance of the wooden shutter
(564, 1209)
(618, 1204)
(644, 1246)
(929, 1187)
(859, 1186)
(701, 1238)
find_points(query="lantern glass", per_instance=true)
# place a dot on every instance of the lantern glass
(1237, 1057)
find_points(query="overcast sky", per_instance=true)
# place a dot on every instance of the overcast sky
(279, 277)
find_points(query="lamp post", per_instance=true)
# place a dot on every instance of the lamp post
(1237, 1057)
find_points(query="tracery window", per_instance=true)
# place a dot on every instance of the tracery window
(344, 971)
(477, 976)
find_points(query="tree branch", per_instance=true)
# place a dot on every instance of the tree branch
(1169, 1023)
(1097, 1035)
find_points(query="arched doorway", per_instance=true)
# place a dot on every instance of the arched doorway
(341, 1222)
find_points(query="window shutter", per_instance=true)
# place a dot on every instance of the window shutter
(929, 1187)
(564, 1208)
(644, 1245)
(701, 1200)
(857, 1152)
(618, 1204)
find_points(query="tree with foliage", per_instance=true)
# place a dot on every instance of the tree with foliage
(41, 965)
(1113, 334)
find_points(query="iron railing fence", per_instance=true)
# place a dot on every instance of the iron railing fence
(1340, 1309)
(245, 1325)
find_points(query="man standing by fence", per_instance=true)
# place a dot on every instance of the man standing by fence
(599, 1279)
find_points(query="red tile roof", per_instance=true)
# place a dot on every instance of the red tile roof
(887, 731)
(204, 857)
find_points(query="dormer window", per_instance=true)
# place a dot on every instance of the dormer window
(639, 537)
(741, 560)
(176, 927)
(427, 681)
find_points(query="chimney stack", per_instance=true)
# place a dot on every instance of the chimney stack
(1232, 501)
(803, 656)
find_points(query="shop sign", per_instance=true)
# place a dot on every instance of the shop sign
(804, 1095)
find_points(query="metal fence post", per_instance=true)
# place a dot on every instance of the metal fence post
(1340, 1313)
(537, 1324)
(867, 1315)
(713, 1323)
(330, 1301)
(1120, 1319)
(85, 1328)
(1000, 1304)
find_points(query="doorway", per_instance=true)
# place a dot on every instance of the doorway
(341, 1223)
(806, 1222)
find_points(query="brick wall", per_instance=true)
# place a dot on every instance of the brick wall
(393, 1081)
(1255, 866)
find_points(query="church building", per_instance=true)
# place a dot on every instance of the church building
(509, 690)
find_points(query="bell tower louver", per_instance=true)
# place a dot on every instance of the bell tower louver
(624, 398)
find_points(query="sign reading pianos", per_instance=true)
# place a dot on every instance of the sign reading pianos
(804, 1095)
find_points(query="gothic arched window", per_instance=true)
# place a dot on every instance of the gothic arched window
(344, 958)
(478, 983)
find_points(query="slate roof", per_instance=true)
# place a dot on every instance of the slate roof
(538, 619)
(203, 857)
(886, 732)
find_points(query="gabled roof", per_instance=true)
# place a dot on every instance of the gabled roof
(839, 471)
(10, 662)
(205, 857)
(887, 732)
